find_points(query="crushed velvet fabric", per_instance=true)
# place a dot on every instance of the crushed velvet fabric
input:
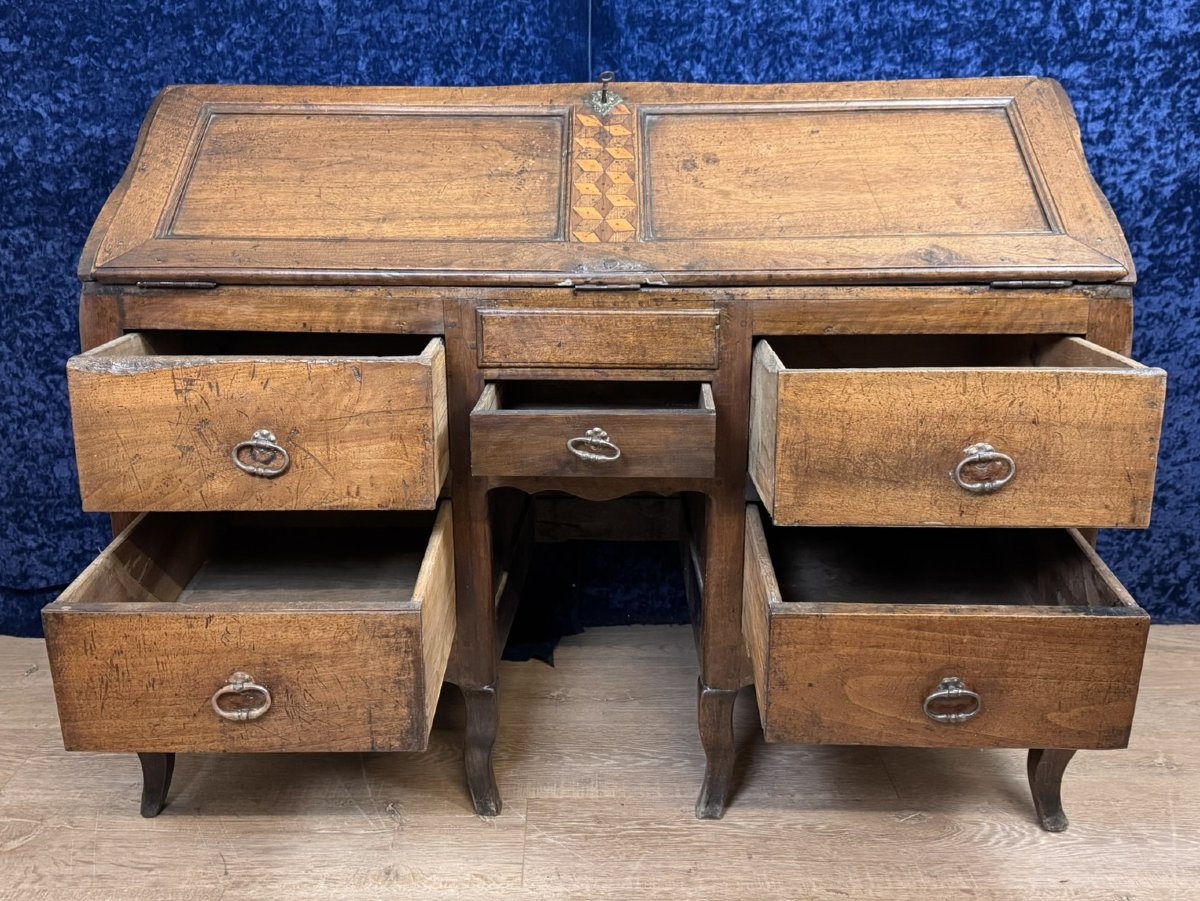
(77, 79)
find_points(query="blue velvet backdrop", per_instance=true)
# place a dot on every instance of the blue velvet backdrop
(77, 79)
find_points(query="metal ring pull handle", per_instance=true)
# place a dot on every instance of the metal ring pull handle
(952, 689)
(983, 453)
(594, 445)
(241, 683)
(267, 459)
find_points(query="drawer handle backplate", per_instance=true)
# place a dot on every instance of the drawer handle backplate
(595, 445)
(241, 683)
(952, 689)
(981, 454)
(267, 459)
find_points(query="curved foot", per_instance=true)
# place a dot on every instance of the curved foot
(716, 735)
(1046, 767)
(482, 723)
(156, 782)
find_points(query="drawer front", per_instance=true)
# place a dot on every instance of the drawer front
(862, 674)
(883, 446)
(155, 432)
(134, 673)
(595, 442)
(616, 339)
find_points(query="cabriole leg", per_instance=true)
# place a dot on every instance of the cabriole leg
(716, 735)
(156, 782)
(482, 723)
(1046, 767)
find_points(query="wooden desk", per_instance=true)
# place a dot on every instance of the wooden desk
(311, 313)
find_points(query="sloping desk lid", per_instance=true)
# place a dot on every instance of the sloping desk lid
(918, 182)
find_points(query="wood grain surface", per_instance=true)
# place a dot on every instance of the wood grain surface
(274, 308)
(847, 644)
(156, 431)
(251, 175)
(637, 339)
(873, 441)
(599, 806)
(136, 672)
(655, 442)
(947, 181)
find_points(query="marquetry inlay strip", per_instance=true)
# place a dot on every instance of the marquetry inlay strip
(603, 177)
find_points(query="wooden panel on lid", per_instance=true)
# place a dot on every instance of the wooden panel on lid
(956, 181)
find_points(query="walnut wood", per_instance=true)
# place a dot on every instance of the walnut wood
(921, 310)
(524, 373)
(275, 308)
(101, 319)
(1110, 323)
(971, 181)
(1081, 423)
(155, 431)
(1046, 767)
(87, 259)
(512, 438)
(715, 713)
(724, 665)
(794, 310)
(601, 488)
(483, 719)
(178, 630)
(157, 770)
(637, 339)
(847, 650)
(546, 243)
(475, 655)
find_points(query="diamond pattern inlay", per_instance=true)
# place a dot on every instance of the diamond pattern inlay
(603, 189)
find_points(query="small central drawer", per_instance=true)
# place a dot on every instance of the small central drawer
(953, 430)
(625, 338)
(641, 429)
(939, 638)
(341, 629)
(236, 421)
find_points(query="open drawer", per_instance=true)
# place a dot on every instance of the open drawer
(341, 632)
(939, 638)
(241, 421)
(953, 430)
(644, 429)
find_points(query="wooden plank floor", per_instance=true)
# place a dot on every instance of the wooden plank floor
(599, 763)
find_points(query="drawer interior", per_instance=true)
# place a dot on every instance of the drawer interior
(260, 561)
(1001, 567)
(258, 344)
(344, 622)
(944, 351)
(851, 633)
(619, 396)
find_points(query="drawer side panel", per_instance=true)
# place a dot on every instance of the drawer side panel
(760, 590)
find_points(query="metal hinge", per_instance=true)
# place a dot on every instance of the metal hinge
(628, 286)
(177, 286)
(1024, 284)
